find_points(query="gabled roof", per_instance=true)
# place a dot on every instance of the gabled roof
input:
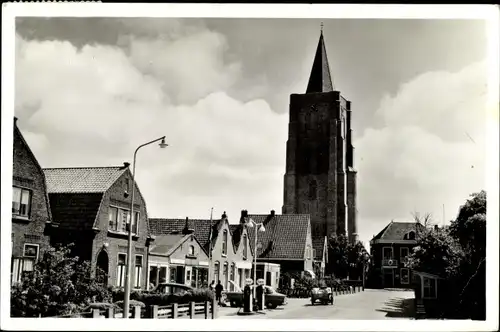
(320, 79)
(82, 179)
(285, 235)
(201, 227)
(20, 136)
(167, 244)
(396, 230)
(236, 233)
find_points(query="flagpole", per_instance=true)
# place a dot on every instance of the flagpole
(210, 248)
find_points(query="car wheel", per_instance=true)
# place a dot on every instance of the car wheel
(271, 306)
(233, 304)
(312, 302)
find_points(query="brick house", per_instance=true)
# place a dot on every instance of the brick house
(286, 241)
(178, 257)
(31, 217)
(389, 250)
(230, 256)
(91, 206)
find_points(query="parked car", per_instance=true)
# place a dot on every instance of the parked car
(272, 298)
(171, 288)
(322, 294)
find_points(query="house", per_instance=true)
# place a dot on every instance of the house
(31, 217)
(91, 208)
(320, 254)
(389, 250)
(286, 241)
(178, 257)
(230, 255)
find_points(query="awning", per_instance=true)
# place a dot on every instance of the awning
(244, 265)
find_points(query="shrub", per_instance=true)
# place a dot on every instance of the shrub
(132, 303)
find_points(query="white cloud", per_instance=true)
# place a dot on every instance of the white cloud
(94, 107)
(422, 156)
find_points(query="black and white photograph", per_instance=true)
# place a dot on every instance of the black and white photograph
(316, 167)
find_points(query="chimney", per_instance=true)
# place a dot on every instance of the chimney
(224, 215)
(15, 121)
(436, 227)
(125, 165)
(244, 215)
(273, 213)
(187, 229)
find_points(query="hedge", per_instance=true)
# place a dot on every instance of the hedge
(149, 298)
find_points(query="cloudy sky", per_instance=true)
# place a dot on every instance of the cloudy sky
(88, 91)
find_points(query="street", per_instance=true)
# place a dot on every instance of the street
(370, 304)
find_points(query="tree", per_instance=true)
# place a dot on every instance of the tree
(58, 285)
(345, 258)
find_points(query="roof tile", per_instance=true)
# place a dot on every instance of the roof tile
(396, 230)
(82, 179)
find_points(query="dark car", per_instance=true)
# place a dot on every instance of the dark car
(171, 288)
(272, 299)
(322, 294)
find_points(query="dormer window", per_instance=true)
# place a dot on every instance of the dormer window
(224, 242)
(410, 235)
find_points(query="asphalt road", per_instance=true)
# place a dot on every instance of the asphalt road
(370, 304)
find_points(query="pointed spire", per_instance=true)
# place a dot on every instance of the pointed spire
(320, 79)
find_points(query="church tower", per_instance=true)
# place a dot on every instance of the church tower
(320, 178)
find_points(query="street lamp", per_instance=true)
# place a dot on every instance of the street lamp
(259, 227)
(126, 299)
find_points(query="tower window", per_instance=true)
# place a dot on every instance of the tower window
(313, 190)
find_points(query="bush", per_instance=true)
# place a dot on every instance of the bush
(132, 303)
(150, 298)
(59, 285)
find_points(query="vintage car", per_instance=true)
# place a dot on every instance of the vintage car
(322, 294)
(272, 299)
(171, 288)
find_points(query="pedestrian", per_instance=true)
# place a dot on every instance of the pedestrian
(218, 291)
(212, 286)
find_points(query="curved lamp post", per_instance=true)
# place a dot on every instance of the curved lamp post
(259, 227)
(126, 300)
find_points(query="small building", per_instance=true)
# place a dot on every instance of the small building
(31, 217)
(389, 250)
(270, 273)
(229, 260)
(286, 241)
(320, 254)
(179, 258)
(91, 208)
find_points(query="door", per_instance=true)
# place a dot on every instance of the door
(102, 267)
(388, 278)
(188, 275)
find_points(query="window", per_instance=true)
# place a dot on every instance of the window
(126, 185)
(314, 253)
(31, 251)
(153, 277)
(245, 247)
(191, 250)
(313, 190)
(121, 270)
(233, 272)
(138, 271)
(216, 271)
(411, 235)
(404, 254)
(225, 275)
(162, 275)
(387, 252)
(21, 202)
(224, 242)
(429, 288)
(119, 218)
(405, 276)
(308, 252)
(173, 274)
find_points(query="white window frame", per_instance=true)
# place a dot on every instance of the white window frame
(119, 221)
(401, 275)
(121, 270)
(245, 246)
(136, 269)
(192, 250)
(392, 253)
(37, 250)
(216, 269)
(424, 287)
(401, 257)
(28, 209)
(308, 252)
(225, 273)
(224, 242)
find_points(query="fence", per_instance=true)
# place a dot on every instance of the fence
(305, 293)
(191, 310)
